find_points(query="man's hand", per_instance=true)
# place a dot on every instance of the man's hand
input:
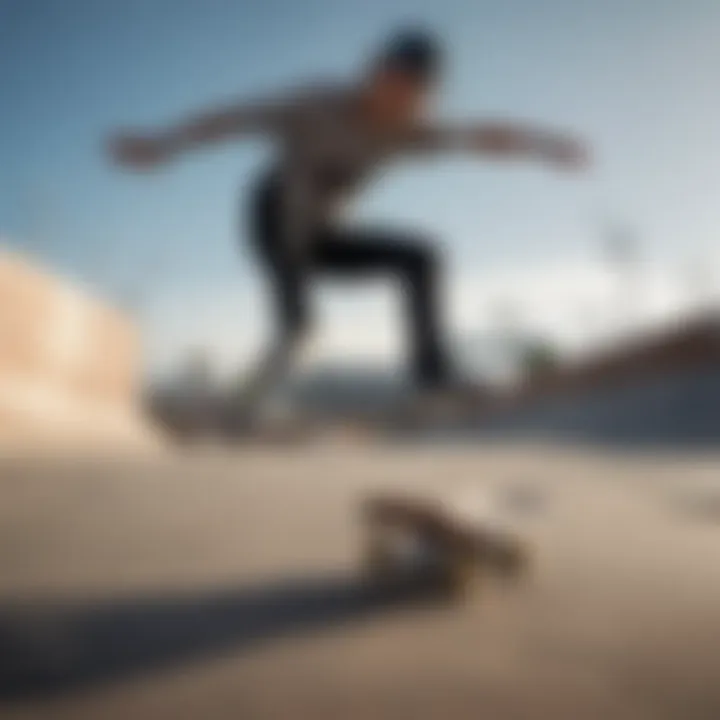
(140, 151)
(510, 139)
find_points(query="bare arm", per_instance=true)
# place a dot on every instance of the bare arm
(145, 149)
(502, 139)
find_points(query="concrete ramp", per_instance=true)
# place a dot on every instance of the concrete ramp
(69, 365)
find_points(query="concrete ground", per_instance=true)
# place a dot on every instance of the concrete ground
(211, 584)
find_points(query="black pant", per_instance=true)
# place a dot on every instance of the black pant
(352, 253)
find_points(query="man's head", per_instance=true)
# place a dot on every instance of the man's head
(402, 76)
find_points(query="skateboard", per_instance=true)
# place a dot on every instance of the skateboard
(410, 538)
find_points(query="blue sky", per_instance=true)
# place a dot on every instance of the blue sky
(640, 79)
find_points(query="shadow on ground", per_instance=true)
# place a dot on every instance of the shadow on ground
(49, 649)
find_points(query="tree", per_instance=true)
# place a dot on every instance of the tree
(538, 357)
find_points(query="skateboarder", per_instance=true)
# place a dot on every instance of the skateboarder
(331, 138)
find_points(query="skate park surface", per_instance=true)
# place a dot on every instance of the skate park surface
(220, 583)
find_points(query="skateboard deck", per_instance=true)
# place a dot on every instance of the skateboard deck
(410, 537)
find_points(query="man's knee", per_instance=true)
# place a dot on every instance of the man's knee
(423, 259)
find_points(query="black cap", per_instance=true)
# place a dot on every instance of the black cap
(412, 51)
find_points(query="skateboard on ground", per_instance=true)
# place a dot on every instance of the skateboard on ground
(409, 538)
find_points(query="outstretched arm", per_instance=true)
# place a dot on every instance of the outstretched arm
(145, 149)
(503, 139)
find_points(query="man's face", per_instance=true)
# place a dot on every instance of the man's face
(398, 98)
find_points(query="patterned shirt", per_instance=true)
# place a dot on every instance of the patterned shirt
(327, 150)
